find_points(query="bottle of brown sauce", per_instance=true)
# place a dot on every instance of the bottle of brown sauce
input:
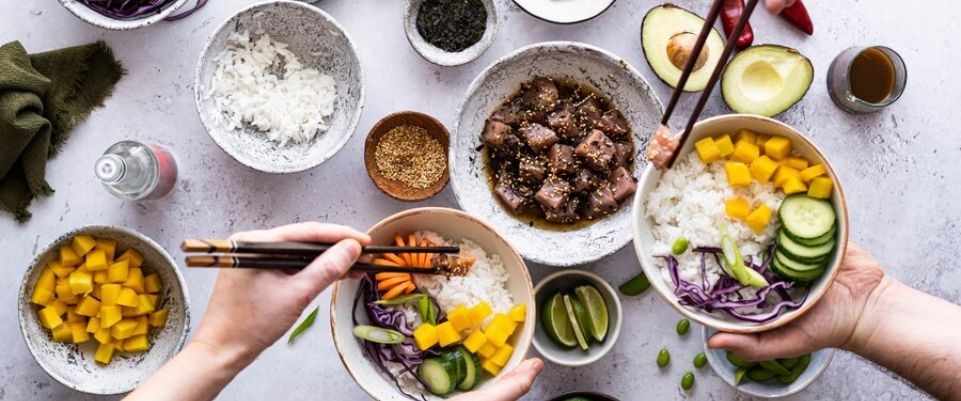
(866, 79)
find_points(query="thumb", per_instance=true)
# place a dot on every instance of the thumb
(776, 6)
(513, 385)
(330, 266)
(784, 342)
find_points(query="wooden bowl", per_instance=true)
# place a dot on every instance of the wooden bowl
(396, 189)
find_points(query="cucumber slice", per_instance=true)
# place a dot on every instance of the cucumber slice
(474, 371)
(806, 217)
(458, 361)
(829, 237)
(791, 264)
(801, 253)
(795, 275)
(438, 374)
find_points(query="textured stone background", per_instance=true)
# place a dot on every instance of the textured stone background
(896, 167)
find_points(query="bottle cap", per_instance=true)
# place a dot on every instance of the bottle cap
(110, 168)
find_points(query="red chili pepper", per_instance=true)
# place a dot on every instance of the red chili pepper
(798, 16)
(730, 14)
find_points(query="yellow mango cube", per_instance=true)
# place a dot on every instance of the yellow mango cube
(127, 311)
(759, 218)
(62, 333)
(737, 208)
(480, 312)
(60, 306)
(425, 336)
(134, 279)
(745, 135)
(132, 257)
(738, 174)
(79, 333)
(153, 298)
(793, 186)
(778, 147)
(762, 139)
(707, 150)
(518, 313)
(88, 306)
(502, 355)
(128, 297)
(93, 325)
(108, 246)
(491, 367)
(42, 296)
(109, 293)
(152, 283)
(72, 316)
(80, 282)
(104, 353)
(475, 341)
(117, 272)
(96, 261)
(797, 163)
(784, 173)
(82, 244)
(459, 318)
(47, 280)
(49, 317)
(142, 327)
(159, 319)
(503, 322)
(724, 145)
(144, 304)
(136, 344)
(497, 336)
(68, 257)
(813, 172)
(103, 336)
(109, 315)
(821, 188)
(59, 270)
(487, 350)
(100, 277)
(447, 334)
(64, 293)
(762, 169)
(745, 152)
(123, 329)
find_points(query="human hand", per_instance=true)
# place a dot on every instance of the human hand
(250, 309)
(830, 324)
(776, 6)
(510, 387)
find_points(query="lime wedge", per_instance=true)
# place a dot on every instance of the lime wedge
(556, 322)
(578, 332)
(596, 310)
(583, 319)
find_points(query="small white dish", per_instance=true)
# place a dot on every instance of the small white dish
(94, 18)
(567, 280)
(442, 57)
(564, 11)
(717, 358)
(319, 42)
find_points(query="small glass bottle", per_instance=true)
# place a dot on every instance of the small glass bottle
(133, 171)
(845, 76)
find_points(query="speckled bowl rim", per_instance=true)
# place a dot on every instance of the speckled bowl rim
(709, 352)
(519, 349)
(653, 272)
(24, 294)
(77, 9)
(613, 333)
(545, 19)
(445, 58)
(355, 114)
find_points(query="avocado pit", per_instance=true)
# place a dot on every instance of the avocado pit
(680, 49)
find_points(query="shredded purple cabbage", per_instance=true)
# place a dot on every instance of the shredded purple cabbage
(136, 9)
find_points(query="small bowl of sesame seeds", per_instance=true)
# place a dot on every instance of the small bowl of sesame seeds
(406, 156)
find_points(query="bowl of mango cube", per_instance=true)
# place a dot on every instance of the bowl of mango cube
(102, 308)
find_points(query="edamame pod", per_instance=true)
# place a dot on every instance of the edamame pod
(789, 363)
(775, 367)
(760, 374)
(798, 369)
(737, 361)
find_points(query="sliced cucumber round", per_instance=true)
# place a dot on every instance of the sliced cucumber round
(806, 217)
(453, 355)
(474, 371)
(829, 237)
(438, 373)
(801, 253)
(792, 264)
(795, 275)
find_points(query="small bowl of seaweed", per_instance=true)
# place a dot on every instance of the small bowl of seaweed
(450, 32)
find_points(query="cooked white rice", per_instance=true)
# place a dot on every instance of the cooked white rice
(689, 202)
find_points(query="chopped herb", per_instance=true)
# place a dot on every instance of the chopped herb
(452, 25)
(304, 325)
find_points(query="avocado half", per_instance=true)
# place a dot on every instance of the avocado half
(766, 80)
(664, 23)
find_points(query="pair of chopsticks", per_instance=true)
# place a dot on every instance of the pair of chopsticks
(220, 253)
(715, 76)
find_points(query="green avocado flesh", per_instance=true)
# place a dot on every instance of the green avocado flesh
(766, 80)
(661, 24)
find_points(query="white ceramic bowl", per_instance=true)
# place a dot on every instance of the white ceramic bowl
(717, 358)
(449, 223)
(319, 42)
(442, 57)
(94, 18)
(567, 280)
(564, 11)
(73, 365)
(588, 65)
(644, 239)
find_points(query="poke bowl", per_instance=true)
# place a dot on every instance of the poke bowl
(407, 336)
(78, 347)
(747, 231)
(545, 146)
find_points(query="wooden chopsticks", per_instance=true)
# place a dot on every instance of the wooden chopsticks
(230, 261)
(295, 248)
(715, 75)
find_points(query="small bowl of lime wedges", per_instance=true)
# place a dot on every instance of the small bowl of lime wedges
(580, 318)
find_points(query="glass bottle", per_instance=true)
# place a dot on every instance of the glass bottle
(840, 79)
(133, 171)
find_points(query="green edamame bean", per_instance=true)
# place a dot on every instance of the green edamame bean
(679, 246)
(663, 358)
(700, 360)
(798, 369)
(760, 374)
(683, 326)
(737, 361)
(687, 381)
(789, 362)
(775, 367)
(739, 375)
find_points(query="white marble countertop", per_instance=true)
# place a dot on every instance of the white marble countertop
(896, 167)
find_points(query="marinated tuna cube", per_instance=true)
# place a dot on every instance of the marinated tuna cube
(553, 194)
(541, 94)
(499, 136)
(531, 170)
(508, 114)
(613, 123)
(622, 184)
(539, 137)
(565, 215)
(584, 180)
(597, 150)
(562, 159)
(589, 112)
(623, 154)
(563, 122)
(600, 203)
(511, 198)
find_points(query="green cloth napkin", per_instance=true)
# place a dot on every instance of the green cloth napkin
(42, 97)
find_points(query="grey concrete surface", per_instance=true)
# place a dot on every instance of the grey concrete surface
(899, 168)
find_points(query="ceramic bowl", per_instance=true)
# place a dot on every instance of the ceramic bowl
(442, 57)
(644, 239)
(452, 224)
(565, 12)
(320, 43)
(567, 280)
(396, 189)
(73, 365)
(589, 65)
(584, 395)
(94, 18)
(717, 358)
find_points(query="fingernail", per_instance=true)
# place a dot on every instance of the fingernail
(537, 364)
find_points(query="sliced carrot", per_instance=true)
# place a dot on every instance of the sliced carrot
(394, 258)
(399, 240)
(391, 282)
(414, 257)
(394, 292)
(410, 287)
(385, 276)
(423, 256)
(385, 262)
